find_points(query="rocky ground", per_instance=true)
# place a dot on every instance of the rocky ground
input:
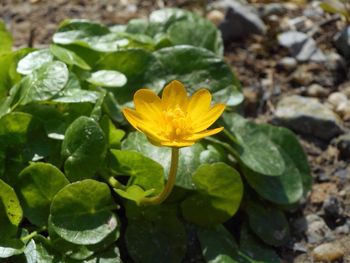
(292, 62)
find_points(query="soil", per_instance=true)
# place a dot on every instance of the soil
(255, 61)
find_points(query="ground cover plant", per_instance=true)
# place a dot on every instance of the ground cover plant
(73, 172)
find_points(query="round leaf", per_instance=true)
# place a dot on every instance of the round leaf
(37, 185)
(10, 248)
(253, 148)
(33, 61)
(218, 245)
(68, 57)
(81, 212)
(107, 78)
(44, 83)
(219, 195)
(163, 238)
(84, 146)
(284, 189)
(198, 32)
(269, 223)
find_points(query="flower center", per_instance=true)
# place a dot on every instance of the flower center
(176, 123)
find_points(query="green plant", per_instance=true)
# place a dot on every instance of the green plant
(66, 152)
(341, 7)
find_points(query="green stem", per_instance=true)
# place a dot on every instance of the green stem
(33, 234)
(158, 199)
(115, 183)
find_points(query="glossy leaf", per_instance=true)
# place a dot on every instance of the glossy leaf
(252, 147)
(44, 83)
(218, 197)
(107, 78)
(33, 61)
(37, 185)
(84, 148)
(68, 57)
(81, 212)
(11, 247)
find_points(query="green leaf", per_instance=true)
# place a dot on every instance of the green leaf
(269, 223)
(81, 212)
(253, 148)
(22, 139)
(11, 213)
(33, 61)
(68, 57)
(143, 171)
(84, 148)
(73, 93)
(254, 251)
(44, 83)
(37, 185)
(134, 193)
(110, 255)
(11, 247)
(80, 252)
(335, 7)
(107, 78)
(8, 73)
(76, 30)
(196, 31)
(5, 39)
(196, 68)
(289, 145)
(190, 157)
(217, 244)
(163, 237)
(40, 250)
(218, 196)
(113, 135)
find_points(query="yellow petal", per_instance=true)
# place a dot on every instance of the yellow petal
(133, 117)
(208, 119)
(151, 132)
(148, 104)
(177, 144)
(203, 134)
(199, 104)
(174, 94)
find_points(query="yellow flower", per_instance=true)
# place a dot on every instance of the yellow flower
(174, 120)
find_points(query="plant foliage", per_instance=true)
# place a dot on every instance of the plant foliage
(72, 170)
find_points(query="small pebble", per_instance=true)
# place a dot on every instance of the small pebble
(332, 207)
(316, 90)
(328, 252)
(287, 63)
(336, 98)
(216, 17)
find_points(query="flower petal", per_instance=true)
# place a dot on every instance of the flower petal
(208, 119)
(174, 94)
(148, 104)
(177, 144)
(149, 131)
(133, 117)
(203, 134)
(199, 104)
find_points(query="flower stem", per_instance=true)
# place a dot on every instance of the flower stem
(33, 234)
(158, 199)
